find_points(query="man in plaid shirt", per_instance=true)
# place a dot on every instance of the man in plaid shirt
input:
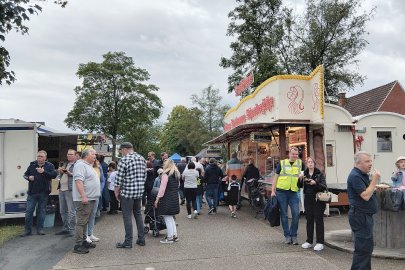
(129, 186)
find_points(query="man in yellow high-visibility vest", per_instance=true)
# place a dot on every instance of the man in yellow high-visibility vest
(285, 186)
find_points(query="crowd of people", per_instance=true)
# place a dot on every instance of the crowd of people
(87, 185)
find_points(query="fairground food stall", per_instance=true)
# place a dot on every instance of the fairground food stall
(285, 111)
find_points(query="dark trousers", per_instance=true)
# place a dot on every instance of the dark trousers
(132, 207)
(211, 195)
(314, 214)
(191, 195)
(181, 190)
(113, 201)
(362, 227)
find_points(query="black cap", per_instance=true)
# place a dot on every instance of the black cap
(126, 145)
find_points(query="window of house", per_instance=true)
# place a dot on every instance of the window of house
(384, 141)
(329, 155)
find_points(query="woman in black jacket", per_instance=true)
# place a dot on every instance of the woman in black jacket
(167, 200)
(313, 182)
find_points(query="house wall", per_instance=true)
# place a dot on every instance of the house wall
(395, 101)
(382, 121)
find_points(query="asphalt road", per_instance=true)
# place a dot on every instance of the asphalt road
(209, 242)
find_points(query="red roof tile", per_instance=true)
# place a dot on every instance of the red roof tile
(369, 101)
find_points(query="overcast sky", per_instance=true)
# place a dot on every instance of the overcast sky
(179, 42)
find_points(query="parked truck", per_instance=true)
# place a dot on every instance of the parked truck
(19, 143)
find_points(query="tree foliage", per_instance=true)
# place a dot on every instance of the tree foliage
(113, 98)
(255, 24)
(330, 32)
(183, 132)
(145, 138)
(13, 16)
(209, 103)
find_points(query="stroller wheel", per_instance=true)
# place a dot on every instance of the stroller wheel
(146, 229)
(155, 233)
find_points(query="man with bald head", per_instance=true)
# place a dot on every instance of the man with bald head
(363, 205)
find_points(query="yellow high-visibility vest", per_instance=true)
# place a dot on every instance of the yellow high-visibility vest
(288, 177)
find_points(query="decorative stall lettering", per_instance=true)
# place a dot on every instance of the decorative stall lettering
(244, 84)
(266, 105)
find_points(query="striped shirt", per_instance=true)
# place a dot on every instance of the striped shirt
(131, 176)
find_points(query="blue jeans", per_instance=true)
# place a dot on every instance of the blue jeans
(287, 198)
(362, 227)
(211, 195)
(67, 210)
(40, 200)
(198, 199)
(92, 218)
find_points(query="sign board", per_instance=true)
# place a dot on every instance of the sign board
(282, 98)
(244, 84)
(260, 137)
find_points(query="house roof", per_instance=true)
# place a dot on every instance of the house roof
(369, 101)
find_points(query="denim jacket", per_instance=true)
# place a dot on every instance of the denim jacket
(397, 179)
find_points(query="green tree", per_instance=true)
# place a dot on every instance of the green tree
(331, 33)
(13, 15)
(183, 132)
(113, 97)
(255, 24)
(212, 116)
(145, 138)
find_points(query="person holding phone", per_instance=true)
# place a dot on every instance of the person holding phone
(66, 205)
(313, 182)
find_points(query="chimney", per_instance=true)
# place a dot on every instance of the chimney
(342, 99)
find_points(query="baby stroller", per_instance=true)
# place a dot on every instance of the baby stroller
(256, 198)
(153, 221)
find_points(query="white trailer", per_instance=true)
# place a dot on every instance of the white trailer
(19, 143)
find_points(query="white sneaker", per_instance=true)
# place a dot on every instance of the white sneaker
(88, 239)
(318, 247)
(306, 245)
(189, 216)
(93, 238)
(195, 214)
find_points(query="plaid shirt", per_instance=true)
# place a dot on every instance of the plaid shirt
(131, 176)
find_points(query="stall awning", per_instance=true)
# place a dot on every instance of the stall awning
(243, 131)
(240, 132)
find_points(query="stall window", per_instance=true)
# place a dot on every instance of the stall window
(384, 141)
(329, 155)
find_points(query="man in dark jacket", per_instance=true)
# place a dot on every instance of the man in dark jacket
(212, 177)
(181, 167)
(39, 175)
